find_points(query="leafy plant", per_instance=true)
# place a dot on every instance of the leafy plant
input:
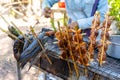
(115, 11)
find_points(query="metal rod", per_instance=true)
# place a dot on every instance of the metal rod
(18, 72)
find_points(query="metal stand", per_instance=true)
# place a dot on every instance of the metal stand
(18, 72)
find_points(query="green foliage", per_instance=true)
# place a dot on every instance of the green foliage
(115, 10)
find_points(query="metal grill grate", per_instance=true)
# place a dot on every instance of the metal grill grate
(109, 70)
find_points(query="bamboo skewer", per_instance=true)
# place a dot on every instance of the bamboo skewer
(64, 20)
(104, 39)
(52, 21)
(75, 66)
(34, 34)
(14, 3)
(109, 42)
(91, 42)
(59, 29)
(114, 43)
(20, 32)
(8, 33)
(5, 20)
(19, 13)
(81, 56)
(95, 29)
(79, 49)
(64, 46)
(16, 28)
(5, 10)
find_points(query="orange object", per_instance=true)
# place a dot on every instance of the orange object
(61, 4)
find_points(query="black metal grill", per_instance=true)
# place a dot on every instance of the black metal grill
(110, 70)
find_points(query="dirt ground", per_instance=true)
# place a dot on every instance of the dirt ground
(7, 61)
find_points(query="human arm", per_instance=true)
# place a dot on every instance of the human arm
(87, 22)
(48, 3)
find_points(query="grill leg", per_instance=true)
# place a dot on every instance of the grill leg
(18, 72)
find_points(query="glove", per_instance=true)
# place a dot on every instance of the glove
(73, 25)
(47, 12)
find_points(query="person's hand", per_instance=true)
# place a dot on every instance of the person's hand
(73, 25)
(47, 12)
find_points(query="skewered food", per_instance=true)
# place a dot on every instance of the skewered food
(93, 35)
(26, 51)
(103, 44)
